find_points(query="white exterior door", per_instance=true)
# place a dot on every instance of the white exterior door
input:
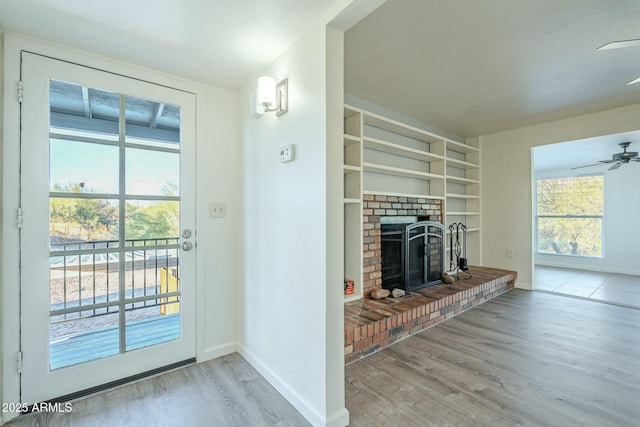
(108, 228)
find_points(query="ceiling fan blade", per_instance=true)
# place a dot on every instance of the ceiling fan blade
(586, 166)
(615, 166)
(620, 44)
(634, 81)
(607, 161)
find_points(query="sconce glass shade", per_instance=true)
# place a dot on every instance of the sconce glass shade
(267, 91)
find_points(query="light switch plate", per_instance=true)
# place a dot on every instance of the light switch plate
(217, 210)
(287, 153)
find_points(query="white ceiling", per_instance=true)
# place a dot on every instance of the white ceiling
(472, 67)
(221, 42)
(469, 67)
(583, 152)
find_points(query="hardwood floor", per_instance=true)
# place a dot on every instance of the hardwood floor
(523, 358)
(221, 392)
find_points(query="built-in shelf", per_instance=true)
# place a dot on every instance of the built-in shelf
(460, 180)
(459, 164)
(351, 169)
(400, 150)
(350, 139)
(465, 213)
(385, 157)
(397, 194)
(461, 148)
(462, 196)
(391, 170)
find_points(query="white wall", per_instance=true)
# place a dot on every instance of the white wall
(506, 177)
(218, 178)
(620, 229)
(291, 320)
(1, 208)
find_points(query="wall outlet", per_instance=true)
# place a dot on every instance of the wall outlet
(287, 153)
(217, 210)
(511, 252)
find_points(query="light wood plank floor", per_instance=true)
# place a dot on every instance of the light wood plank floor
(523, 358)
(223, 392)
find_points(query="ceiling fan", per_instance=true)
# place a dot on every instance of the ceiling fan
(618, 159)
(620, 44)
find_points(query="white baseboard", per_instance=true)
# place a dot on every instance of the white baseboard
(217, 351)
(298, 402)
(338, 419)
(590, 268)
(526, 286)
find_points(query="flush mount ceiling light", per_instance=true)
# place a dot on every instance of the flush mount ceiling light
(272, 96)
(622, 44)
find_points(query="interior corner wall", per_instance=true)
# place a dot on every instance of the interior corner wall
(507, 182)
(283, 319)
(219, 164)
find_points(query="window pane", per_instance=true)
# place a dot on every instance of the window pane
(571, 196)
(570, 236)
(84, 112)
(152, 123)
(82, 220)
(152, 219)
(81, 167)
(83, 339)
(83, 279)
(152, 173)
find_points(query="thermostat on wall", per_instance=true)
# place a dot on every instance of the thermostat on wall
(286, 153)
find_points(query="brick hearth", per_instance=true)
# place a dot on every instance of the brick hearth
(371, 325)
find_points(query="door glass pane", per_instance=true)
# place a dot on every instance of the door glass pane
(104, 259)
(83, 339)
(153, 325)
(152, 123)
(83, 280)
(147, 268)
(84, 112)
(81, 167)
(152, 173)
(76, 220)
(152, 219)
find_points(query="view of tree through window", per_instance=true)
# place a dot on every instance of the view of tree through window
(569, 215)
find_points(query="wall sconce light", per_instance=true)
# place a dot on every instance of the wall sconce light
(272, 96)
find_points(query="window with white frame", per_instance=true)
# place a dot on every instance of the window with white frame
(569, 214)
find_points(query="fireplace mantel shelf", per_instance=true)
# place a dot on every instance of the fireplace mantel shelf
(371, 325)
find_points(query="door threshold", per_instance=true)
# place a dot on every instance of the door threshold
(110, 385)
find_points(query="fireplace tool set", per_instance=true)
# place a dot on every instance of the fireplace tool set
(458, 249)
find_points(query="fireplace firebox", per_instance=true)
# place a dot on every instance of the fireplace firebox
(412, 253)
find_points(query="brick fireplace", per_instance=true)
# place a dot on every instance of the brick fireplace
(376, 206)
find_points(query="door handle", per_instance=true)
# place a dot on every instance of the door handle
(187, 246)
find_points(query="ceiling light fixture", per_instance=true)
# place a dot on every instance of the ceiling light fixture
(272, 96)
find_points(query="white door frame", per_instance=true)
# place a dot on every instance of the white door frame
(10, 274)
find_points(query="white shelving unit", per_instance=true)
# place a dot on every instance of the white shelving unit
(352, 198)
(383, 156)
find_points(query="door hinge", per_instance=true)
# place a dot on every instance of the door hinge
(19, 360)
(19, 217)
(20, 91)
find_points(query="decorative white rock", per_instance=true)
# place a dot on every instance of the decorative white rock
(397, 292)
